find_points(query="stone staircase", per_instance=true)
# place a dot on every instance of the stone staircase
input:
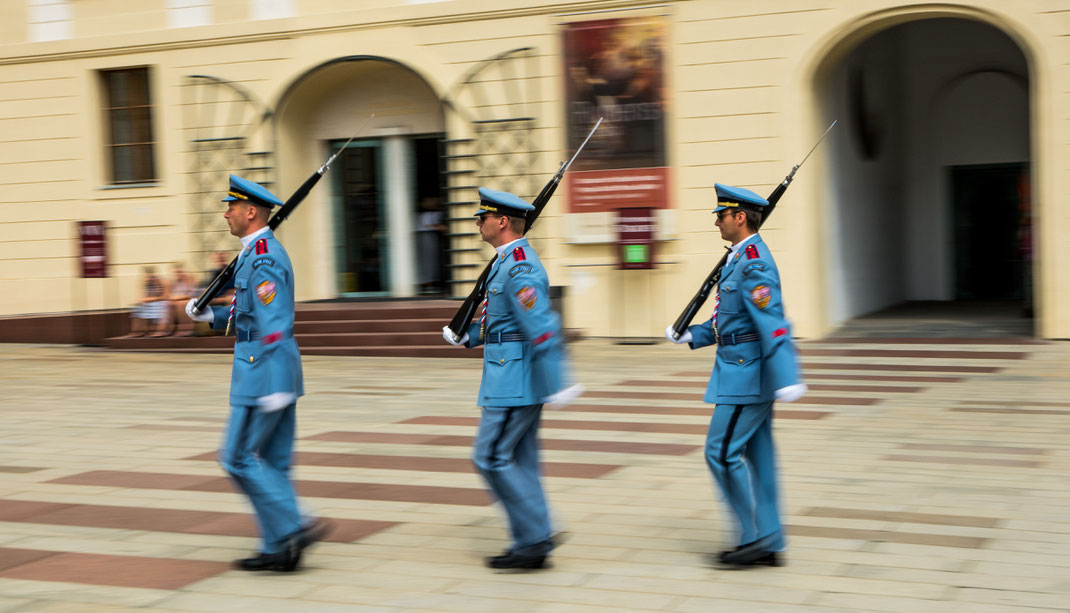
(401, 328)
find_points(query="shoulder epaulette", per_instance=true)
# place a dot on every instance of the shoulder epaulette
(261, 246)
(518, 254)
(752, 252)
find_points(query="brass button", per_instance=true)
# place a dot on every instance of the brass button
(501, 361)
(251, 359)
(740, 360)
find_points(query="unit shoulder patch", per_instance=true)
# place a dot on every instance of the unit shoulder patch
(519, 269)
(752, 252)
(258, 262)
(265, 291)
(261, 246)
(753, 267)
(518, 254)
(760, 296)
(527, 297)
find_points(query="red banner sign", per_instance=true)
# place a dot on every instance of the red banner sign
(94, 249)
(595, 191)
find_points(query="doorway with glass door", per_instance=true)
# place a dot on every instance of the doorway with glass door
(361, 254)
(388, 215)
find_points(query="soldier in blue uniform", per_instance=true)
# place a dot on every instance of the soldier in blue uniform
(524, 366)
(756, 364)
(265, 381)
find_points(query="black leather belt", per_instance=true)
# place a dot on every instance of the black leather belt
(735, 339)
(504, 337)
(244, 336)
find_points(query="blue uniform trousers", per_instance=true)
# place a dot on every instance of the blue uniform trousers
(742, 458)
(257, 450)
(507, 455)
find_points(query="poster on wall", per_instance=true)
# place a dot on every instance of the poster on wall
(94, 249)
(614, 68)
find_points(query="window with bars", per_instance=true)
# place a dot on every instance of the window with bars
(128, 125)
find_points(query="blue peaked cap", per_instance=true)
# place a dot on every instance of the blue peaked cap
(250, 191)
(502, 203)
(731, 197)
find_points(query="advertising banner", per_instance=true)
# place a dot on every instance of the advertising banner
(614, 68)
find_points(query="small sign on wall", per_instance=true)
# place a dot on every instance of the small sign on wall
(635, 242)
(94, 249)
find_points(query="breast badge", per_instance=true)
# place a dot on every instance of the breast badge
(760, 296)
(266, 292)
(526, 297)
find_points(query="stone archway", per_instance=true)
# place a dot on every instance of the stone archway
(930, 109)
(319, 111)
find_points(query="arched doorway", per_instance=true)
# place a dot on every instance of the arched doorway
(360, 231)
(928, 205)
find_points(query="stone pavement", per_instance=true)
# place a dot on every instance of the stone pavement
(918, 475)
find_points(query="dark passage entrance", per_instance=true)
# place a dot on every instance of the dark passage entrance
(431, 225)
(992, 239)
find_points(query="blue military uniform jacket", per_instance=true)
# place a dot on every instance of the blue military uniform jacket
(266, 357)
(524, 372)
(750, 302)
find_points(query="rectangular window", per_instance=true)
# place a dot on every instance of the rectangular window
(272, 9)
(189, 13)
(49, 19)
(128, 125)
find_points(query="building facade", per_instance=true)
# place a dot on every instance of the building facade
(944, 178)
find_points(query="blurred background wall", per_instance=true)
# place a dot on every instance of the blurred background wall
(943, 181)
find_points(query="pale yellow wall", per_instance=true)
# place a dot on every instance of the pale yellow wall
(742, 112)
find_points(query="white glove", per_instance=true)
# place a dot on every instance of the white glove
(275, 402)
(684, 338)
(448, 335)
(565, 397)
(205, 315)
(791, 393)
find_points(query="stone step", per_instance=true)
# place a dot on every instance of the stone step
(369, 325)
(438, 309)
(410, 328)
(329, 338)
(368, 339)
(410, 351)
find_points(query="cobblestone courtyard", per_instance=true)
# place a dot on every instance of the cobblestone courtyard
(918, 475)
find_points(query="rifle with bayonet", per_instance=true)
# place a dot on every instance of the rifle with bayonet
(463, 318)
(216, 286)
(684, 320)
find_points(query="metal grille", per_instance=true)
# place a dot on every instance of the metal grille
(229, 131)
(492, 144)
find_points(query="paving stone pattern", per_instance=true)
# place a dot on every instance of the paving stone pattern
(919, 475)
